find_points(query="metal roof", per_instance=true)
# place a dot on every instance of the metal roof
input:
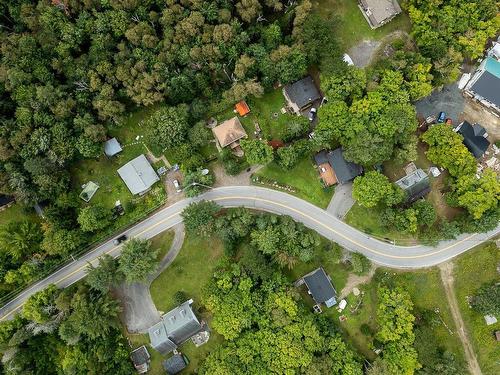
(415, 184)
(112, 147)
(320, 286)
(487, 86)
(138, 175)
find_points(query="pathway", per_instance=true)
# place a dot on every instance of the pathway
(448, 280)
(139, 311)
(353, 281)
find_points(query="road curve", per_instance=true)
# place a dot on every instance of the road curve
(271, 201)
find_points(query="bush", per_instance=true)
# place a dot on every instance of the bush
(360, 264)
(365, 329)
(180, 297)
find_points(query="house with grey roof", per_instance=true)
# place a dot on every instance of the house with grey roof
(138, 175)
(141, 359)
(175, 364)
(415, 184)
(320, 287)
(475, 138)
(379, 12)
(112, 147)
(301, 95)
(175, 328)
(484, 86)
(334, 168)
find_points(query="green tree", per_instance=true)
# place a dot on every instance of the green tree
(374, 188)
(61, 241)
(360, 263)
(295, 127)
(20, 239)
(199, 217)
(346, 85)
(196, 182)
(257, 152)
(137, 260)
(487, 299)
(105, 275)
(167, 127)
(40, 307)
(93, 218)
(426, 214)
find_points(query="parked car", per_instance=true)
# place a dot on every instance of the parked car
(177, 186)
(312, 114)
(441, 117)
(120, 239)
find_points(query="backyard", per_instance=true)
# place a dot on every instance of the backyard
(472, 270)
(352, 26)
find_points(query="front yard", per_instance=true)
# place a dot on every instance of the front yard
(303, 178)
(472, 270)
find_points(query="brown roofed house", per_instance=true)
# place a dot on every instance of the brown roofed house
(229, 133)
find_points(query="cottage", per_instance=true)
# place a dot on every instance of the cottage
(112, 147)
(320, 287)
(416, 185)
(141, 359)
(379, 12)
(474, 137)
(176, 327)
(175, 364)
(485, 83)
(229, 133)
(138, 175)
(333, 168)
(301, 95)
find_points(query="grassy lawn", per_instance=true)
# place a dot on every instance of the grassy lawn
(304, 178)
(162, 243)
(472, 270)
(352, 26)
(16, 212)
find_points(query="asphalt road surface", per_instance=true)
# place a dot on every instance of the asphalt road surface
(271, 201)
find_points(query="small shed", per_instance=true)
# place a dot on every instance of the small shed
(490, 319)
(141, 359)
(112, 147)
(175, 364)
(242, 108)
(89, 189)
(416, 185)
(497, 335)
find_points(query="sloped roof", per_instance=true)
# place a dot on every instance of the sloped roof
(112, 147)
(416, 184)
(140, 356)
(380, 10)
(344, 170)
(174, 364)
(242, 108)
(229, 131)
(303, 92)
(138, 174)
(473, 138)
(320, 286)
(488, 87)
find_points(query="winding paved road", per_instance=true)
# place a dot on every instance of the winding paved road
(271, 201)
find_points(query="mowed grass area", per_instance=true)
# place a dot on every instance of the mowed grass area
(16, 213)
(472, 270)
(304, 178)
(190, 272)
(162, 243)
(427, 294)
(352, 26)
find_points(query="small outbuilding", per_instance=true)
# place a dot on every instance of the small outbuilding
(320, 287)
(416, 185)
(474, 138)
(242, 108)
(379, 12)
(141, 359)
(175, 364)
(112, 147)
(138, 175)
(301, 95)
(497, 335)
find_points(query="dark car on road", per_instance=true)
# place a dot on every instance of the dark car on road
(120, 239)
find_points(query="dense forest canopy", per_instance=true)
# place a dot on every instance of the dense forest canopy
(71, 68)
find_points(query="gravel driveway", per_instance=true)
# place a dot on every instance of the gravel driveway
(342, 200)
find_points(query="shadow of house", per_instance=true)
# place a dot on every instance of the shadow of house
(474, 138)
